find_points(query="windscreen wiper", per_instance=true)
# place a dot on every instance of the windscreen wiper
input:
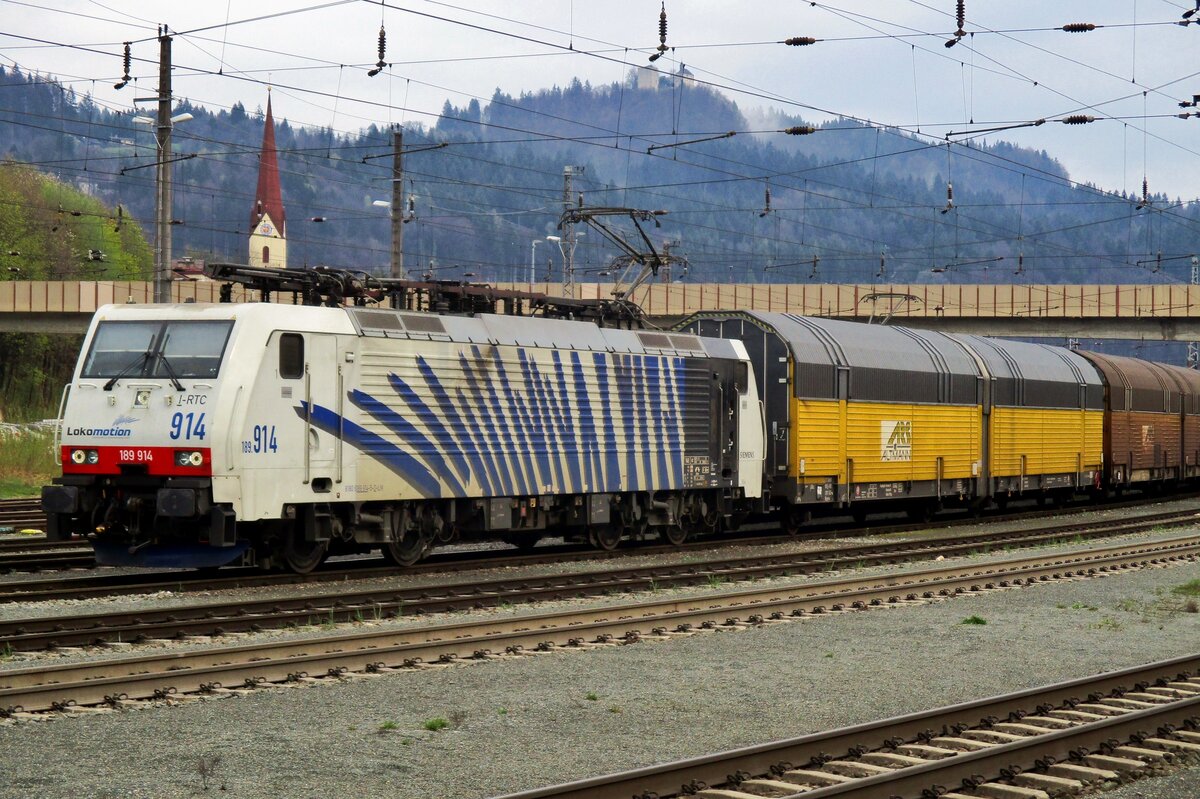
(128, 370)
(171, 372)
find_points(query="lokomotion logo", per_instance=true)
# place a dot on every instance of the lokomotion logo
(118, 429)
(895, 440)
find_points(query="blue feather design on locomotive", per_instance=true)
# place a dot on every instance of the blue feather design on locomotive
(485, 428)
(387, 453)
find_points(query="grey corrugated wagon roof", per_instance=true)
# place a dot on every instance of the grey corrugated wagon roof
(1006, 358)
(872, 346)
(879, 362)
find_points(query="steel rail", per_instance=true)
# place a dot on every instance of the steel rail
(49, 687)
(28, 634)
(777, 756)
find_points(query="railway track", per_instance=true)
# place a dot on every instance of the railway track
(36, 556)
(102, 584)
(247, 667)
(19, 514)
(1031, 744)
(242, 615)
(34, 552)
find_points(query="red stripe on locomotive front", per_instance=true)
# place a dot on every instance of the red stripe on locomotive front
(158, 461)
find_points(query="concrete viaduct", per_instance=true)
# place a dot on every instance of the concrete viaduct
(1115, 311)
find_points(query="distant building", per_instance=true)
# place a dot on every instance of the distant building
(268, 222)
(189, 268)
(648, 77)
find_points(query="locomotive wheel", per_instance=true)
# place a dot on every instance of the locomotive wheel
(859, 514)
(303, 556)
(605, 537)
(673, 534)
(406, 551)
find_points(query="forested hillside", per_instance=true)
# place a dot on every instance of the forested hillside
(848, 202)
(38, 241)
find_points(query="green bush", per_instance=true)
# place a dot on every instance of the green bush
(26, 461)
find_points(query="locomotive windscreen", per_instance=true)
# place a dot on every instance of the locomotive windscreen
(155, 348)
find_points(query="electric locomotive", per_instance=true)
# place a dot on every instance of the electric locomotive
(204, 435)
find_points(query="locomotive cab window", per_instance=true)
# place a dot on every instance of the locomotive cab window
(159, 349)
(291, 356)
(741, 376)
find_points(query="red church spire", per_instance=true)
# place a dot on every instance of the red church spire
(268, 199)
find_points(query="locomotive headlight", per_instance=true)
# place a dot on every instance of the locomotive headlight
(82, 456)
(185, 457)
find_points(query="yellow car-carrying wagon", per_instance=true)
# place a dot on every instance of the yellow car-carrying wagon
(868, 418)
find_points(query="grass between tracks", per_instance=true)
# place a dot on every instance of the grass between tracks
(26, 463)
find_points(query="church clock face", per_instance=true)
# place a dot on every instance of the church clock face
(266, 229)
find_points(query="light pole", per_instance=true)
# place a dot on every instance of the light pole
(568, 256)
(557, 240)
(533, 259)
(400, 217)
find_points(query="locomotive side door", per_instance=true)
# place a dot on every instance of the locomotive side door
(323, 397)
(724, 413)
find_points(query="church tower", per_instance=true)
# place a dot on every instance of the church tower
(268, 223)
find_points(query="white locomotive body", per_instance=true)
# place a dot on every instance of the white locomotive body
(204, 435)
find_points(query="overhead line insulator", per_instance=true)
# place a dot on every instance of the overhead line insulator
(799, 41)
(1079, 27)
(1078, 119)
(662, 34)
(799, 130)
(379, 65)
(127, 61)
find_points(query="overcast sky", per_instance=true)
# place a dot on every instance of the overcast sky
(1017, 66)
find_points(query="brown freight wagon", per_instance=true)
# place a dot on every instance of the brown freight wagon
(1189, 384)
(1143, 421)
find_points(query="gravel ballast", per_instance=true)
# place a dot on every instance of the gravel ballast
(522, 723)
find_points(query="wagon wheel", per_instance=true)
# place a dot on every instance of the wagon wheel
(795, 519)
(922, 512)
(303, 556)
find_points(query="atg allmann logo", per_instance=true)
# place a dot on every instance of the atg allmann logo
(895, 440)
